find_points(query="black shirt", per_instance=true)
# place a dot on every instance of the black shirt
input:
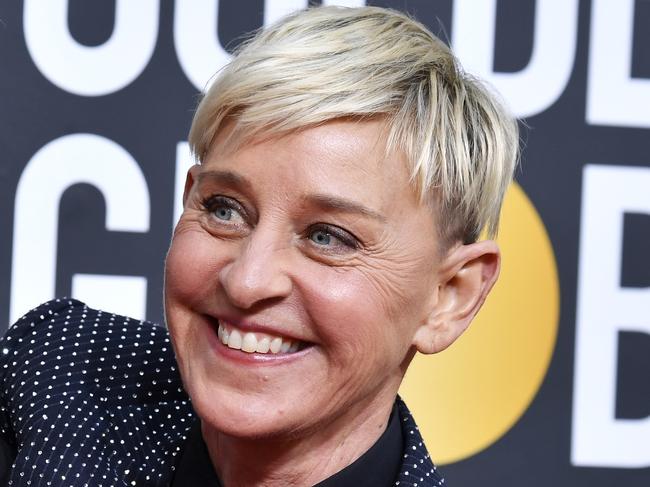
(377, 467)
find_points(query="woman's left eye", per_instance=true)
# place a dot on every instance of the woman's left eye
(320, 237)
(223, 213)
(332, 237)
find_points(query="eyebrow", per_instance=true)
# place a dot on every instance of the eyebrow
(329, 202)
(224, 177)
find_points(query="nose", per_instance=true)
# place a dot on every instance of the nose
(257, 273)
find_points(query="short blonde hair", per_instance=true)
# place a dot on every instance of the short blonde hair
(325, 63)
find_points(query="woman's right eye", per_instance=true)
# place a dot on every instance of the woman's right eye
(225, 209)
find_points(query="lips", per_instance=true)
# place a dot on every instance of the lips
(255, 342)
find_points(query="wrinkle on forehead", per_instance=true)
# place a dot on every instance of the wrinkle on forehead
(344, 159)
(230, 139)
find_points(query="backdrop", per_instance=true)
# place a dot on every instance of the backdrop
(550, 385)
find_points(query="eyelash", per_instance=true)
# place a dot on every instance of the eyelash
(343, 236)
(211, 203)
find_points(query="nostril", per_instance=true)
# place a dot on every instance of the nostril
(249, 282)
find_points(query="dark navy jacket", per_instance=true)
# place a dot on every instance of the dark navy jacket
(89, 398)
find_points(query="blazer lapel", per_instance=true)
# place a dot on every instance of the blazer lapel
(417, 469)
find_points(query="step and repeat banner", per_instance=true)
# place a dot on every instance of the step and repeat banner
(550, 385)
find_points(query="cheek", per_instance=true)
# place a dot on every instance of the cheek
(190, 273)
(190, 269)
(374, 308)
(351, 316)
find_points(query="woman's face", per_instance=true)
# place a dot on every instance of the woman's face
(313, 241)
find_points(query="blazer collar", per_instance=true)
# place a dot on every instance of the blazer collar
(417, 469)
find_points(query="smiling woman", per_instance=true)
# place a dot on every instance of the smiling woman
(314, 252)
(346, 166)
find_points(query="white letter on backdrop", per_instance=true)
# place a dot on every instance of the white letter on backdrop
(184, 161)
(199, 50)
(275, 9)
(91, 71)
(538, 85)
(613, 96)
(69, 160)
(126, 295)
(604, 308)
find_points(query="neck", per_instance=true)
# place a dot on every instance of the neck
(304, 459)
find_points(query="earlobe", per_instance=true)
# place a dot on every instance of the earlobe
(466, 276)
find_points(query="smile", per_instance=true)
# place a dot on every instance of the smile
(250, 342)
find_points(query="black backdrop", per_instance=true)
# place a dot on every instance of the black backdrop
(597, 120)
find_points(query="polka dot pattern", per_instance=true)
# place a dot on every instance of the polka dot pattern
(90, 399)
(93, 399)
(417, 468)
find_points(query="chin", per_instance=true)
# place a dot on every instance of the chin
(246, 416)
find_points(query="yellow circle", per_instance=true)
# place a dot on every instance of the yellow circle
(465, 398)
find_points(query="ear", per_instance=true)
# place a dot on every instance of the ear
(465, 277)
(192, 173)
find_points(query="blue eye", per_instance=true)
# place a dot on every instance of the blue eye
(225, 209)
(320, 237)
(223, 213)
(332, 238)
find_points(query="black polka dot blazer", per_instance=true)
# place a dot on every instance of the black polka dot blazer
(89, 398)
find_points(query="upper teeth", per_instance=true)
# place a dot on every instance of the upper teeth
(254, 342)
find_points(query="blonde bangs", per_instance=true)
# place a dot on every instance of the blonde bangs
(326, 63)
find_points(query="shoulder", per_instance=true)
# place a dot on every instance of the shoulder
(16, 336)
(65, 338)
(70, 326)
(78, 382)
(417, 467)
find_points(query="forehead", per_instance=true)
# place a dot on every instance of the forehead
(345, 158)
